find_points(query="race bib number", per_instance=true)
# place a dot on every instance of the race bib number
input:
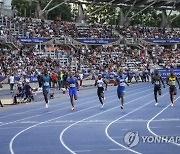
(173, 83)
(72, 85)
(157, 82)
(46, 83)
(100, 85)
(122, 84)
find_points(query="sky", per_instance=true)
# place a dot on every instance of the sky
(7, 2)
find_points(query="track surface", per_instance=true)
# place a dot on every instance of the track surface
(31, 129)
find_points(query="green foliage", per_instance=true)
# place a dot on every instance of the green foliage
(63, 11)
(22, 7)
(176, 22)
(27, 8)
(106, 15)
(109, 15)
(148, 17)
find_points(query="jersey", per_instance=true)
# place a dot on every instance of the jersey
(172, 80)
(157, 80)
(46, 85)
(121, 83)
(72, 86)
(100, 83)
(72, 83)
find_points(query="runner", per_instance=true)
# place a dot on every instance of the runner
(46, 87)
(73, 86)
(100, 89)
(171, 82)
(157, 80)
(11, 82)
(120, 81)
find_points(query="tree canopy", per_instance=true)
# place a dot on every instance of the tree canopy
(28, 8)
(107, 15)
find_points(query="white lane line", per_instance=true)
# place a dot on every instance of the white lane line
(106, 130)
(143, 120)
(62, 133)
(117, 137)
(47, 113)
(79, 151)
(65, 108)
(173, 119)
(28, 122)
(50, 106)
(113, 91)
(117, 149)
(148, 124)
(65, 99)
(12, 140)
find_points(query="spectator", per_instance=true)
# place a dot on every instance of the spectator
(28, 92)
(11, 82)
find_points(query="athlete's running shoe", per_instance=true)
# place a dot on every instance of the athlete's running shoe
(172, 104)
(47, 105)
(102, 106)
(72, 108)
(156, 104)
(122, 107)
(174, 97)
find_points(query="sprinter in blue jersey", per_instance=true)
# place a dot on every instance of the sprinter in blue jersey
(73, 86)
(46, 87)
(120, 81)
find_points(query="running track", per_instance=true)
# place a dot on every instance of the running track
(31, 129)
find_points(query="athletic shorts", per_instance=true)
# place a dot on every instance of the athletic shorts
(100, 90)
(72, 92)
(157, 88)
(172, 89)
(120, 91)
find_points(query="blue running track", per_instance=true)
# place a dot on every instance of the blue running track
(31, 129)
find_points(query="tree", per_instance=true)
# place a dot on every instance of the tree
(106, 15)
(28, 8)
(22, 7)
(63, 11)
(176, 22)
(149, 17)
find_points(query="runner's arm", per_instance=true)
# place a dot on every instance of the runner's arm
(167, 81)
(152, 80)
(67, 84)
(77, 84)
(178, 82)
(95, 84)
(105, 84)
(116, 82)
(126, 83)
(162, 81)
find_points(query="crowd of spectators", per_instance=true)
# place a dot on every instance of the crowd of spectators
(111, 59)
(95, 31)
(166, 58)
(25, 62)
(37, 28)
(148, 32)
